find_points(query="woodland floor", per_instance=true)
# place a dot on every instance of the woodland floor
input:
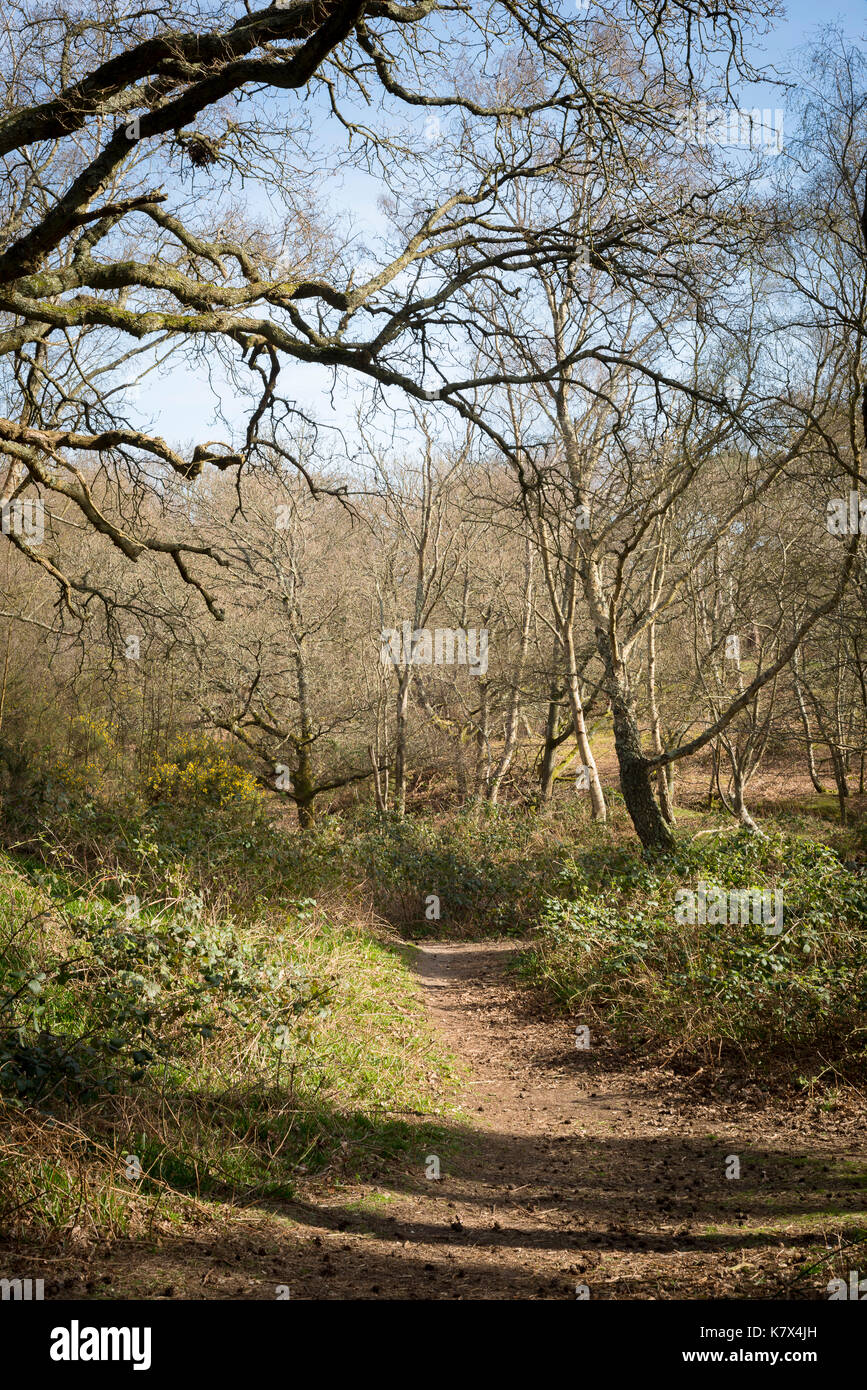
(566, 1168)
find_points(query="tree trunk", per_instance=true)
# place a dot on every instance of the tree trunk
(377, 780)
(509, 745)
(663, 784)
(736, 804)
(510, 742)
(840, 781)
(714, 775)
(739, 805)
(552, 743)
(304, 777)
(635, 775)
(598, 808)
(303, 786)
(400, 741)
(808, 733)
(482, 775)
(635, 778)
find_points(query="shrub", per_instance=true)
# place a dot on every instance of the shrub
(112, 992)
(624, 959)
(199, 775)
(486, 871)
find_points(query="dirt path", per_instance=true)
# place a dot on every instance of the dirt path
(572, 1169)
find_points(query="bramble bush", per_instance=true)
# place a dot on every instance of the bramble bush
(487, 869)
(610, 948)
(93, 994)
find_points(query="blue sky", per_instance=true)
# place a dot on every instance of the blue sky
(180, 405)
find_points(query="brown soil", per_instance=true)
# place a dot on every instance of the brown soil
(570, 1168)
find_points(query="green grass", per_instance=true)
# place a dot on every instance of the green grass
(611, 950)
(285, 1042)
